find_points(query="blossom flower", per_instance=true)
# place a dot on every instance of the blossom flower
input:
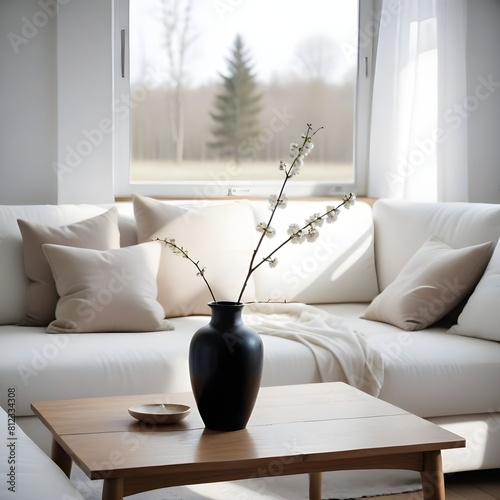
(266, 229)
(312, 234)
(349, 200)
(274, 201)
(179, 250)
(308, 146)
(332, 214)
(315, 220)
(273, 262)
(295, 168)
(295, 233)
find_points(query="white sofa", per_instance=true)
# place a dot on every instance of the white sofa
(450, 378)
(27, 472)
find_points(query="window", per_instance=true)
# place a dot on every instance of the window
(218, 90)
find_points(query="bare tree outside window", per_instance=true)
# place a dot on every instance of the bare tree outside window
(178, 39)
(318, 57)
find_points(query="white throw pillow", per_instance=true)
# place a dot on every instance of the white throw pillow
(100, 233)
(220, 237)
(430, 285)
(481, 315)
(106, 290)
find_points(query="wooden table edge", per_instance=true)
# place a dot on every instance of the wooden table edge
(427, 463)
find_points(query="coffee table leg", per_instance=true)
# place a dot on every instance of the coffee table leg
(112, 489)
(61, 458)
(432, 476)
(315, 486)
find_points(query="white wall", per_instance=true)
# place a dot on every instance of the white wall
(85, 95)
(28, 103)
(56, 101)
(483, 64)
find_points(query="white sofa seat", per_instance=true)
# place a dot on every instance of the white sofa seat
(34, 474)
(67, 366)
(431, 373)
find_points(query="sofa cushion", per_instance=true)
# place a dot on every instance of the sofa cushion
(100, 232)
(431, 373)
(430, 285)
(13, 297)
(481, 315)
(220, 237)
(401, 228)
(106, 290)
(339, 266)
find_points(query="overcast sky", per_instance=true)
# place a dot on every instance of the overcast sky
(272, 30)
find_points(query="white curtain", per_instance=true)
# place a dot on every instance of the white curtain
(418, 141)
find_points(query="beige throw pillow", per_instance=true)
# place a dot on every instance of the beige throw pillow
(100, 232)
(106, 290)
(430, 285)
(221, 237)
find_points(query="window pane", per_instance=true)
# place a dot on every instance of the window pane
(220, 89)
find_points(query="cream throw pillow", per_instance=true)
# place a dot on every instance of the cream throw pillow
(481, 315)
(100, 232)
(430, 285)
(221, 237)
(106, 290)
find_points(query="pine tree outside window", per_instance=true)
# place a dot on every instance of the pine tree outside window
(237, 107)
(218, 90)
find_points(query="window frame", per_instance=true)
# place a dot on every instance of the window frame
(124, 188)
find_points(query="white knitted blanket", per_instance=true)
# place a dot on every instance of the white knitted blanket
(331, 341)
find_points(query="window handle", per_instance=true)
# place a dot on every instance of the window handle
(122, 61)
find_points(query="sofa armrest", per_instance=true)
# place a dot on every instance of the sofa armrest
(29, 472)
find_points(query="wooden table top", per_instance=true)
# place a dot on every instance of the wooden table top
(325, 425)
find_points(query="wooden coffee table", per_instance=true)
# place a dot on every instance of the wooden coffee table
(293, 430)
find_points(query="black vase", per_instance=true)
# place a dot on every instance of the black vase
(225, 365)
